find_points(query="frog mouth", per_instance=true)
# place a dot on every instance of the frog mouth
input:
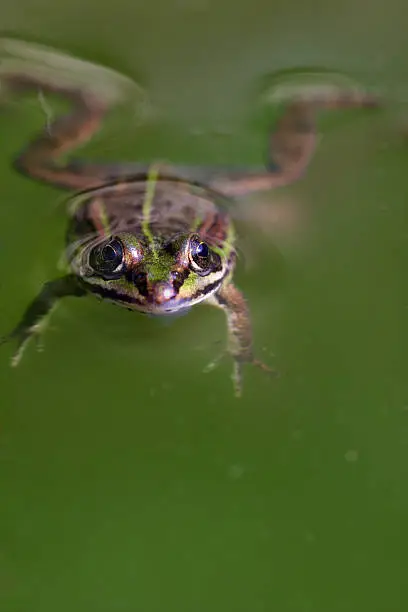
(165, 298)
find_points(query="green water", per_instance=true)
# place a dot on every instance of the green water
(131, 481)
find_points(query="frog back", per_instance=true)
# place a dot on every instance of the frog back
(163, 207)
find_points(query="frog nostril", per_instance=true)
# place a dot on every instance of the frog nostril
(140, 282)
(178, 278)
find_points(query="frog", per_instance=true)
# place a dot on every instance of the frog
(156, 238)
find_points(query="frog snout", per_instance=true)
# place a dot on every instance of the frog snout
(163, 292)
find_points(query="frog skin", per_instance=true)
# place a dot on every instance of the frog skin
(156, 239)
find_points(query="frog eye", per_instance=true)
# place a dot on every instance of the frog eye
(107, 259)
(200, 256)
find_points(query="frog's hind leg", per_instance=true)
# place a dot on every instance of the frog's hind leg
(293, 141)
(91, 89)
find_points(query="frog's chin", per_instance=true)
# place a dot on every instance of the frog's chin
(172, 308)
(167, 318)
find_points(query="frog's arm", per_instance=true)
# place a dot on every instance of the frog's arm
(35, 318)
(239, 346)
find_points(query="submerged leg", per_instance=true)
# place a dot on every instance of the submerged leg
(38, 312)
(231, 300)
(91, 90)
(292, 142)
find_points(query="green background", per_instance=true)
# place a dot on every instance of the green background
(131, 481)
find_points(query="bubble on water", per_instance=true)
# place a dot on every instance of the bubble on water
(235, 471)
(351, 456)
(310, 537)
(193, 6)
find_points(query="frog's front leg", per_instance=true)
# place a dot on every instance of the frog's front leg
(292, 142)
(35, 318)
(231, 300)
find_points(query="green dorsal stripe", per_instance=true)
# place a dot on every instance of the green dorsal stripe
(152, 178)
